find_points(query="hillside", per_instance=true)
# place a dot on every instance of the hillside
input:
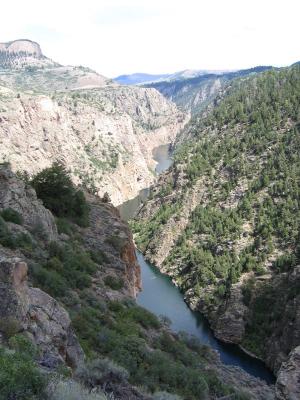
(192, 91)
(23, 53)
(103, 132)
(223, 222)
(69, 323)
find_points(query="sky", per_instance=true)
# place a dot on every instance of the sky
(117, 37)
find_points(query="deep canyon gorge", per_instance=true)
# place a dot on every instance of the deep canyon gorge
(149, 234)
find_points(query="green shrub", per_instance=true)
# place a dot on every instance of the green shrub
(22, 344)
(165, 396)
(9, 326)
(71, 390)
(143, 317)
(101, 371)
(24, 241)
(114, 282)
(116, 241)
(10, 215)
(54, 186)
(6, 238)
(64, 226)
(20, 379)
(99, 256)
(285, 262)
(50, 281)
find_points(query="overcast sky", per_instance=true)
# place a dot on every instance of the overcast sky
(157, 36)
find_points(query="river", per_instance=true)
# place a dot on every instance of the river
(162, 297)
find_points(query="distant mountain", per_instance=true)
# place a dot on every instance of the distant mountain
(23, 66)
(194, 93)
(138, 78)
(143, 78)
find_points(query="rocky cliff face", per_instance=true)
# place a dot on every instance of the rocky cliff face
(104, 136)
(288, 381)
(106, 233)
(15, 195)
(103, 132)
(37, 314)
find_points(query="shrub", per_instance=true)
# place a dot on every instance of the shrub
(97, 372)
(24, 241)
(50, 281)
(22, 344)
(10, 215)
(6, 238)
(285, 262)
(64, 226)
(116, 241)
(165, 396)
(9, 326)
(114, 282)
(54, 186)
(99, 257)
(71, 390)
(20, 379)
(143, 317)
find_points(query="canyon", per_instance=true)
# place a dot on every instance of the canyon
(105, 133)
(218, 222)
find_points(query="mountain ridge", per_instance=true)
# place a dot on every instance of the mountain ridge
(223, 224)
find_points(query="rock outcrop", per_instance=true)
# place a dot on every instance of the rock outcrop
(37, 314)
(229, 325)
(108, 233)
(16, 195)
(288, 380)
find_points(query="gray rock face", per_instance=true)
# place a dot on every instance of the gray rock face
(230, 325)
(39, 315)
(14, 194)
(105, 226)
(288, 381)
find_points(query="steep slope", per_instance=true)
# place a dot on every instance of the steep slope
(224, 221)
(103, 132)
(193, 93)
(67, 301)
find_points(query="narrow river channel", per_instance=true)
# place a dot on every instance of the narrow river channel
(162, 297)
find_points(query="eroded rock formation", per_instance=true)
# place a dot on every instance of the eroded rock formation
(38, 315)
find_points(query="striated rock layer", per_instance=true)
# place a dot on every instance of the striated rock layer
(104, 136)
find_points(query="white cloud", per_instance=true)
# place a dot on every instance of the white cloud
(121, 36)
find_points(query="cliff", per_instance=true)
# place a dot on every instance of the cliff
(104, 133)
